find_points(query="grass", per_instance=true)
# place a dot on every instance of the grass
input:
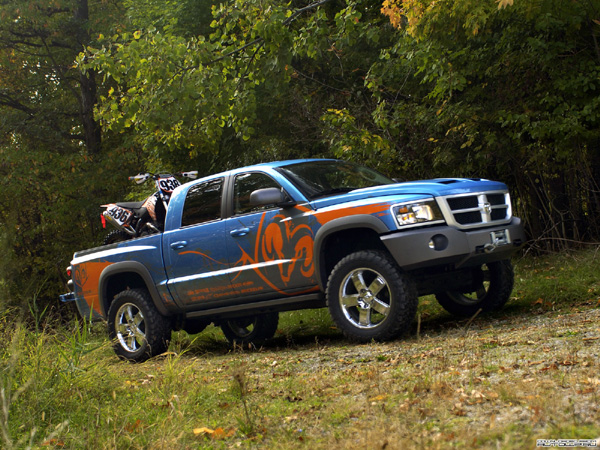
(500, 381)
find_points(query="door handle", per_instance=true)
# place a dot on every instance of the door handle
(240, 232)
(179, 244)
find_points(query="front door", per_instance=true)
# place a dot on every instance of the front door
(270, 248)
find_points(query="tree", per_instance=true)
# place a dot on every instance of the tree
(186, 96)
(515, 89)
(50, 142)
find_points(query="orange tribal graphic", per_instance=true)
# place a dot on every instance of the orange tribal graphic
(275, 243)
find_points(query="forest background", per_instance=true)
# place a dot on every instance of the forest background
(92, 91)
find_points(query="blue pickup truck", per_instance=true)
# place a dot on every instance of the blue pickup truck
(241, 246)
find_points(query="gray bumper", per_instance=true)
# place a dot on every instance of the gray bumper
(435, 246)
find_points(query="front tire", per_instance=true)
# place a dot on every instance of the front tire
(138, 331)
(254, 330)
(496, 285)
(369, 298)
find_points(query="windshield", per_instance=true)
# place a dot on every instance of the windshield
(328, 177)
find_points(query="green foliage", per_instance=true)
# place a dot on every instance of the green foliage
(53, 170)
(351, 142)
(53, 219)
(182, 17)
(511, 91)
(505, 89)
(187, 96)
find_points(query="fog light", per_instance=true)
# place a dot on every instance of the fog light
(438, 242)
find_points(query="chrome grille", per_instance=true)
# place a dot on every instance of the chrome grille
(476, 209)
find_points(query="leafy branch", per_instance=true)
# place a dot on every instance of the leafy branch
(260, 39)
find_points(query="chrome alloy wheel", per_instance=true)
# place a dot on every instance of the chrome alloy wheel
(365, 298)
(130, 327)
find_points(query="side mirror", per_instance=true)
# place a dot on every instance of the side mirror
(269, 196)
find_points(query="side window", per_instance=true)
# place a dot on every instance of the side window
(203, 203)
(247, 183)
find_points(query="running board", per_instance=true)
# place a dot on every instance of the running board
(308, 301)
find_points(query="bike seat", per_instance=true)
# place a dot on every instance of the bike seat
(131, 205)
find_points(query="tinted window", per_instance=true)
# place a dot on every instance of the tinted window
(328, 177)
(203, 203)
(247, 183)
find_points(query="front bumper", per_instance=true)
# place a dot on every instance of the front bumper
(443, 245)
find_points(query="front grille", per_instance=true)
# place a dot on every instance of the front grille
(462, 202)
(496, 199)
(477, 209)
(468, 217)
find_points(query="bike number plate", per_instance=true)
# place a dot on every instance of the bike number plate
(168, 185)
(119, 215)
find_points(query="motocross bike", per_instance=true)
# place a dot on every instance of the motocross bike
(135, 219)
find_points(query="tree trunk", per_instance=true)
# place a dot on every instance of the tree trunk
(87, 86)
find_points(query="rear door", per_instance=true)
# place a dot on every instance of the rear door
(196, 259)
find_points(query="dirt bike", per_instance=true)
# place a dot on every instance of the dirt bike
(135, 219)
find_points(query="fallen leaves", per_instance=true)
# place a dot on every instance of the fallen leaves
(218, 433)
(134, 427)
(378, 398)
(53, 443)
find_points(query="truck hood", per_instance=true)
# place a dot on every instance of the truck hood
(414, 190)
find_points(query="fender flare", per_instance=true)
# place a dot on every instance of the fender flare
(341, 224)
(124, 267)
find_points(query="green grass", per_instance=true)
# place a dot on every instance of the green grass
(501, 381)
(568, 279)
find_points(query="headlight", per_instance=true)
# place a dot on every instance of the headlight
(417, 213)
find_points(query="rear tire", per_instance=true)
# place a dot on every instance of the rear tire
(369, 298)
(497, 281)
(253, 330)
(138, 331)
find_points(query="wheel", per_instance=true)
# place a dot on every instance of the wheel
(369, 298)
(497, 280)
(251, 330)
(116, 236)
(138, 331)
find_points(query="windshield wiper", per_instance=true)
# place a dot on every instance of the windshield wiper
(332, 192)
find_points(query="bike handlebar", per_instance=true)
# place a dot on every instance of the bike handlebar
(142, 177)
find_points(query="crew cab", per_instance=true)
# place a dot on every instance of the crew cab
(241, 246)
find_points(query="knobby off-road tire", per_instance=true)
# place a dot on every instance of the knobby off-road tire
(116, 236)
(497, 281)
(254, 330)
(137, 330)
(369, 298)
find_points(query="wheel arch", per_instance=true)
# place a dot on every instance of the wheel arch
(340, 237)
(127, 275)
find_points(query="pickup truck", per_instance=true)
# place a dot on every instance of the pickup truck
(241, 246)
